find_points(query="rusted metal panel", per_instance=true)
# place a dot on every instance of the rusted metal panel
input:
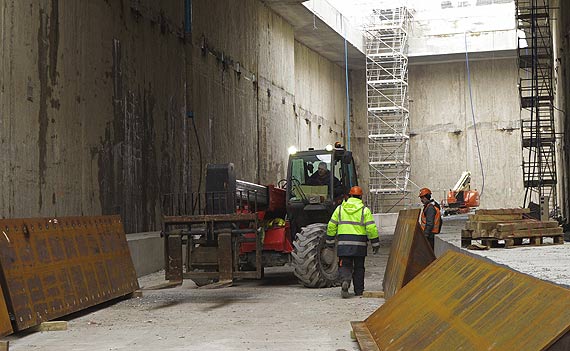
(463, 303)
(5, 324)
(51, 267)
(410, 253)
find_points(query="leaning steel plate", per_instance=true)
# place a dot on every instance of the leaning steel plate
(410, 253)
(51, 267)
(463, 303)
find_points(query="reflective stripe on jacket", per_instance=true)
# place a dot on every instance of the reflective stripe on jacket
(354, 225)
(431, 218)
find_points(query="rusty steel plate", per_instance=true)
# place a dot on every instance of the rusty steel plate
(410, 253)
(51, 267)
(463, 303)
(5, 323)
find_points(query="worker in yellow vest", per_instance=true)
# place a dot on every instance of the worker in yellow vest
(355, 226)
(430, 219)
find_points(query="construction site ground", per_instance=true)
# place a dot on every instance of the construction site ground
(275, 313)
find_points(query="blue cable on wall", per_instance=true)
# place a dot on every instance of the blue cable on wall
(188, 16)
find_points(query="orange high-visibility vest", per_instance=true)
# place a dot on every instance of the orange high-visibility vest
(436, 221)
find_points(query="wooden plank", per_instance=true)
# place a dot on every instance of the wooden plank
(465, 233)
(502, 211)
(490, 225)
(503, 227)
(374, 294)
(165, 285)
(50, 326)
(137, 294)
(529, 233)
(363, 336)
(496, 217)
(4, 345)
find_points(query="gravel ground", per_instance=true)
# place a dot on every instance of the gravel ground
(275, 313)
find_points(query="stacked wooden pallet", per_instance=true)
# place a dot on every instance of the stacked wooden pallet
(509, 225)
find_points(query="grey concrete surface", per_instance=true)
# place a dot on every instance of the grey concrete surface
(275, 313)
(386, 222)
(547, 262)
(94, 102)
(147, 252)
(443, 142)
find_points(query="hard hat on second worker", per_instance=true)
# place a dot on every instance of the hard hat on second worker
(424, 192)
(356, 190)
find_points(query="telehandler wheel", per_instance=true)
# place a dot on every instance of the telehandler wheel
(315, 265)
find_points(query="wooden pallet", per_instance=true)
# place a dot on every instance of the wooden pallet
(507, 224)
(510, 243)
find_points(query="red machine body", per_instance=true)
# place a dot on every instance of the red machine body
(276, 238)
(462, 201)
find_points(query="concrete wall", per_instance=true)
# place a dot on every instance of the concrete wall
(94, 100)
(91, 108)
(443, 141)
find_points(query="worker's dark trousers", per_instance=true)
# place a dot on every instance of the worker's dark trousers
(352, 267)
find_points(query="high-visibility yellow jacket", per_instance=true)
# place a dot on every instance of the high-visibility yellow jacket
(354, 225)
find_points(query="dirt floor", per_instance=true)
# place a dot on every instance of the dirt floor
(275, 313)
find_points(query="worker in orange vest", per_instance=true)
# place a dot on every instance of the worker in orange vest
(430, 219)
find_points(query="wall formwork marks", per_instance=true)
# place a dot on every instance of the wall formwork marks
(93, 102)
(443, 141)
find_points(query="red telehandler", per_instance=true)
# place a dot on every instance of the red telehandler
(237, 228)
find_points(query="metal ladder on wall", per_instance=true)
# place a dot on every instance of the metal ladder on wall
(535, 52)
(388, 114)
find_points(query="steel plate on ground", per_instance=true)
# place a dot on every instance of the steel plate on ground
(410, 253)
(463, 303)
(51, 267)
(5, 324)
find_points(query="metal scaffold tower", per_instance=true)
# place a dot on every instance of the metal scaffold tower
(537, 97)
(388, 114)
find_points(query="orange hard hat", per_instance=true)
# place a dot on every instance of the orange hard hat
(424, 192)
(356, 190)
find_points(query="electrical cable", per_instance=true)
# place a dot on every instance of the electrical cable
(473, 116)
(200, 160)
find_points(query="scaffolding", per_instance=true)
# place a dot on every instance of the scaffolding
(537, 97)
(388, 114)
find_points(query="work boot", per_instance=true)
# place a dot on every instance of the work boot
(358, 293)
(344, 289)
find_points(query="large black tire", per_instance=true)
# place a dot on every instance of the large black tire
(315, 265)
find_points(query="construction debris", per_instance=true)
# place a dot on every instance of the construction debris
(50, 326)
(460, 302)
(410, 253)
(509, 225)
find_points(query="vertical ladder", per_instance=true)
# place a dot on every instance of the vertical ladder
(537, 95)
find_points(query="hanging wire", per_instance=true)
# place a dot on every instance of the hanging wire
(473, 115)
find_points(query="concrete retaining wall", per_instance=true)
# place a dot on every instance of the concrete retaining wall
(147, 252)
(95, 101)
